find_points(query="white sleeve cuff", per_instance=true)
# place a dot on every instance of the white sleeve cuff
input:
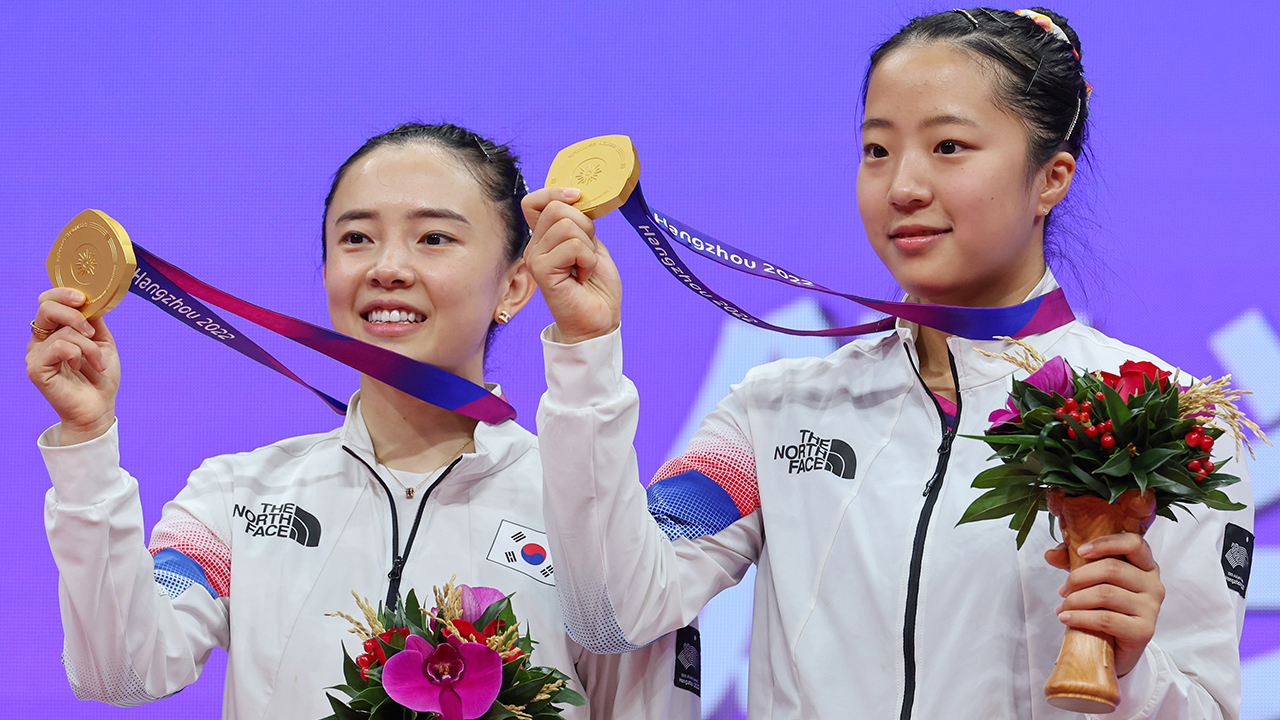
(86, 473)
(1137, 689)
(583, 374)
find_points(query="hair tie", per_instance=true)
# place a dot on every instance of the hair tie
(1046, 22)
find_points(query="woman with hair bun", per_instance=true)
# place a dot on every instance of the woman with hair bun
(870, 601)
(422, 245)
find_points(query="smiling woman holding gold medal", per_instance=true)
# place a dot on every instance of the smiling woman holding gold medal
(422, 247)
(870, 599)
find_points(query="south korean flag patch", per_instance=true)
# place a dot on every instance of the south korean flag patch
(524, 550)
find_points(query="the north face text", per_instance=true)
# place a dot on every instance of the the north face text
(815, 453)
(285, 521)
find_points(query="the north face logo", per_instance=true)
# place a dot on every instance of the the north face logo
(812, 453)
(284, 521)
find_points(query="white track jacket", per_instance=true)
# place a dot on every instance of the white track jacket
(258, 546)
(835, 476)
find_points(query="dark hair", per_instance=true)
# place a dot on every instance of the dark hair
(495, 168)
(1038, 77)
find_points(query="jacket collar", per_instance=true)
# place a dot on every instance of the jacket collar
(976, 369)
(496, 446)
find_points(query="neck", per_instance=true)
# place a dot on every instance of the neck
(409, 434)
(931, 345)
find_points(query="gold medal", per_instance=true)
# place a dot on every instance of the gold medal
(93, 255)
(606, 170)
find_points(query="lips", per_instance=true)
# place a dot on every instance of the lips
(917, 232)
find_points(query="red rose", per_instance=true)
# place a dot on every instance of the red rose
(1133, 376)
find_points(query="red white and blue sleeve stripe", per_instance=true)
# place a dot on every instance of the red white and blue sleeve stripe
(708, 488)
(186, 552)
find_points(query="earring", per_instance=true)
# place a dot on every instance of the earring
(503, 317)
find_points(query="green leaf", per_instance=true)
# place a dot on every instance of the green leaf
(1218, 500)
(525, 692)
(497, 712)
(351, 672)
(341, 711)
(1166, 512)
(998, 503)
(1119, 465)
(1148, 460)
(1026, 518)
(568, 696)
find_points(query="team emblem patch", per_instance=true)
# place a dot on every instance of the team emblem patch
(1237, 556)
(524, 550)
(689, 660)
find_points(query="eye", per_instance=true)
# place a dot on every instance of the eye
(948, 147)
(875, 152)
(354, 238)
(436, 239)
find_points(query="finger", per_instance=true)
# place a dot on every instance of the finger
(52, 315)
(57, 352)
(1130, 546)
(572, 257)
(1126, 629)
(1058, 557)
(558, 211)
(1112, 598)
(64, 295)
(535, 202)
(1113, 571)
(88, 349)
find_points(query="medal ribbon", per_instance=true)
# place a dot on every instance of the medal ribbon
(1034, 316)
(179, 294)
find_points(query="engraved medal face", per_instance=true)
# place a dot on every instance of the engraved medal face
(606, 170)
(93, 255)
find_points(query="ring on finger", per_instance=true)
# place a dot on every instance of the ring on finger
(42, 332)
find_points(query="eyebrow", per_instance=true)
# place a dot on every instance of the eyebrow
(935, 121)
(419, 213)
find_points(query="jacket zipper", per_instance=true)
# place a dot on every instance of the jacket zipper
(397, 559)
(931, 492)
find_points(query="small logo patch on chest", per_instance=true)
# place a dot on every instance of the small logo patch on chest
(815, 453)
(285, 520)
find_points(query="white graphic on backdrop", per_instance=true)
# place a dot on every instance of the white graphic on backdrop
(1247, 348)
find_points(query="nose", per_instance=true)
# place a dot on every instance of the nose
(391, 266)
(910, 189)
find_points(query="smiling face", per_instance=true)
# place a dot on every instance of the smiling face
(943, 185)
(416, 258)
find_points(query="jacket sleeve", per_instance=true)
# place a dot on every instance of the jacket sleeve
(660, 681)
(139, 624)
(633, 566)
(1191, 667)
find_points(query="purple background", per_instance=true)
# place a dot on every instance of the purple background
(211, 131)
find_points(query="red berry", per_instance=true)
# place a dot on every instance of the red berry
(364, 661)
(1071, 404)
(1206, 444)
(1208, 465)
(1108, 442)
(1091, 431)
(1087, 406)
(1194, 466)
(1071, 433)
(370, 645)
(364, 674)
(1074, 415)
(1202, 475)
(1060, 411)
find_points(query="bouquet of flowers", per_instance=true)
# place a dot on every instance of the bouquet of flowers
(462, 659)
(1104, 453)
(1102, 435)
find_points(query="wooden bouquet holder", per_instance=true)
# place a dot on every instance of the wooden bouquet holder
(1084, 676)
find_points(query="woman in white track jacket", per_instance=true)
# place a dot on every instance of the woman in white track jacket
(422, 255)
(843, 478)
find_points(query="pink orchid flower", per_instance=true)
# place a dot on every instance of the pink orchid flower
(1052, 377)
(459, 680)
